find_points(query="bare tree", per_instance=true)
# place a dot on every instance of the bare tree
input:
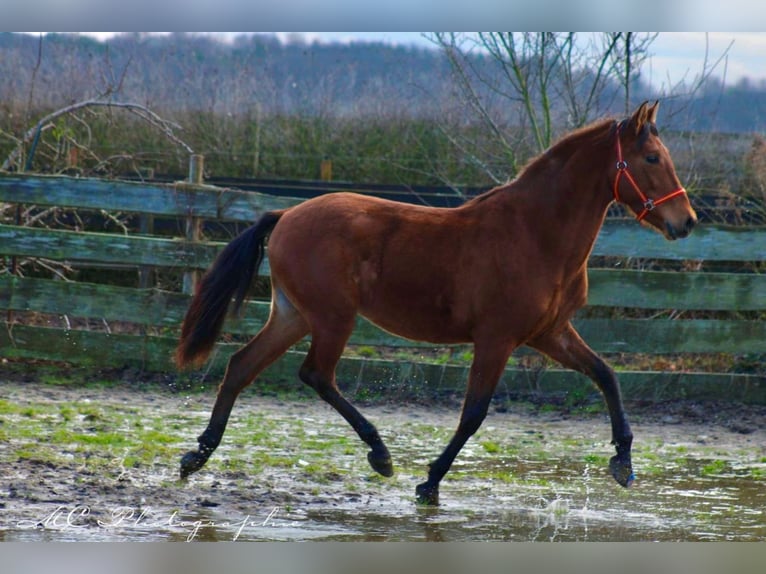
(48, 123)
(525, 87)
(630, 51)
(111, 80)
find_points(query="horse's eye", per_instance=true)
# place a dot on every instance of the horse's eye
(653, 158)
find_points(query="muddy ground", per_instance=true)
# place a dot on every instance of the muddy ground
(97, 462)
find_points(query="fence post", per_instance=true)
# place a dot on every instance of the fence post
(145, 227)
(196, 169)
(194, 224)
(325, 170)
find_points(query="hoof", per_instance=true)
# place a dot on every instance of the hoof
(427, 495)
(192, 461)
(381, 463)
(621, 471)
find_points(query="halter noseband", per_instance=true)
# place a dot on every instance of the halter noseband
(622, 170)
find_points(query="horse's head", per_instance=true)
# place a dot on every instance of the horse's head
(646, 180)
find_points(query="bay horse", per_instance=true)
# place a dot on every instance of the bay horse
(504, 269)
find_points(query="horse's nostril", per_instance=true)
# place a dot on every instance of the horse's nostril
(681, 230)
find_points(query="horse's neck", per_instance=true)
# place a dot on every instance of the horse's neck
(563, 211)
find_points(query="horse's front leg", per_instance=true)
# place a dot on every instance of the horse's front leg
(488, 365)
(568, 348)
(318, 372)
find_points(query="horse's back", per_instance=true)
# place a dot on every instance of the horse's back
(397, 264)
(349, 224)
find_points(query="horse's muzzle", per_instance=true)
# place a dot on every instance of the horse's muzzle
(679, 232)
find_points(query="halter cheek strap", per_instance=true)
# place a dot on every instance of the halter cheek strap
(622, 171)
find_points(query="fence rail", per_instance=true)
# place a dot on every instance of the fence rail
(153, 315)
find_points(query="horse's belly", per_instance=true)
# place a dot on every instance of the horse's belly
(423, 324)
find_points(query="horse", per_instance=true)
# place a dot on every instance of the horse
(506, 268)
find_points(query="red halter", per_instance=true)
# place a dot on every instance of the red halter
(622, 169)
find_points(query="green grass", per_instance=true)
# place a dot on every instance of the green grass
(491, 447)
(596, 459)
(157, 437)
(715, 467)
(367, 351)
(93, 436)
(9, 408)
(104, 439)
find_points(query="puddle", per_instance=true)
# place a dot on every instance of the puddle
(663, 508)
(572, 506)
(293, 472)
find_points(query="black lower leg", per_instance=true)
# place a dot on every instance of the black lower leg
(380, 461)
(208, 441)
(470, 421)
(379, 457)
(570, 350)
(620, 465)
(428, 491)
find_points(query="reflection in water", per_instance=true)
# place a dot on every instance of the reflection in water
(559, 501)
(658, 508)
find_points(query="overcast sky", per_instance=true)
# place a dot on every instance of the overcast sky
(676, 56)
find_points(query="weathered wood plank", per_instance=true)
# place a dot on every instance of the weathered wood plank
(164, 309)
(621, 238)
(146, 307)
(625, 238)
(85, 348)
(369, 376)
(673, 336)
(105, 248)
(179, 200)
(673, 290)
(621, 288)
(651, 336)
(93, 301)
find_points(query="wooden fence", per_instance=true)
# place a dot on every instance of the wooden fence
(95, 315)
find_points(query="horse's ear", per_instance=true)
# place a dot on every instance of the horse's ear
(652, 112)
(640, 117)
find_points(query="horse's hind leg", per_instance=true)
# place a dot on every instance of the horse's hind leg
(570, 350)
(284, 328)
(318, 372)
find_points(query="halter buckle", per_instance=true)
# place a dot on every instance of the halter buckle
(622, 165)
(649, 204)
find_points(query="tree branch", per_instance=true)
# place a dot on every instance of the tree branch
(165, 126)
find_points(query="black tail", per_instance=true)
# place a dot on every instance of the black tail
(231, 273)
